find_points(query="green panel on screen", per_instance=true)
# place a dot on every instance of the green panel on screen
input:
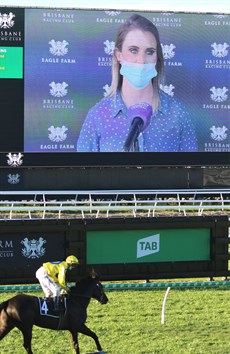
(11, 62)
(140, 246)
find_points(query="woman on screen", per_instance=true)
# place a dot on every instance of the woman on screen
(137, 72)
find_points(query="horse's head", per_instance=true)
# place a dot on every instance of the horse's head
(88, 287)
(98, 292)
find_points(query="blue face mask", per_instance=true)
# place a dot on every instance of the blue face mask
(138, 75)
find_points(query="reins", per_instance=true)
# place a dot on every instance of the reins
(76, 294)
(61, 317)
(85, 296)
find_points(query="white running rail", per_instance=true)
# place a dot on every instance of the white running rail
(112, 203)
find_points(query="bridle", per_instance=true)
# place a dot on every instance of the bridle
(101, 297)
(101, 293)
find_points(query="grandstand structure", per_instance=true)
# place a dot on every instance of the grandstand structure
(58, 210)
(56, 200)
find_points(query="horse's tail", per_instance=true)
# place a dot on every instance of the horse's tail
(6, 325)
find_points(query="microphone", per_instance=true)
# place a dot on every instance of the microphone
(139, 116)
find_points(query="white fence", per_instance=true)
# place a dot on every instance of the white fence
(112, 203)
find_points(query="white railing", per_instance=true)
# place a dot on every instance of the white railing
(112, 203)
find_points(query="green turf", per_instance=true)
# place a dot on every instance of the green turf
(196, 322)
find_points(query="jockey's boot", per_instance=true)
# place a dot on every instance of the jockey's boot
(56, 303)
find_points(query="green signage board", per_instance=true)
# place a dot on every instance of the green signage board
(140, 246)
(11, 62)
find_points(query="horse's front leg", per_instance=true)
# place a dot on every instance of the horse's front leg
(74, 337)
(85, 330)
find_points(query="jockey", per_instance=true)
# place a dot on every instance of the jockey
(52, 277)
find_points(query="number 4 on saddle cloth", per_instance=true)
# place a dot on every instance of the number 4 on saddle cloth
(47, 307)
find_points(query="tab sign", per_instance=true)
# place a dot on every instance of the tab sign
(148, 245)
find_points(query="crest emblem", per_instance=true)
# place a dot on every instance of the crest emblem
(107, 90)
(14, 160)
(6, 20)
(168, 51)
(57, 134)
(168, 89)
(58, 48)
(33, 248)
(13, 179)
(218, 133)
(219, 50)
(113, 13)
(220, 16)
(219, 94)
(109, 47)
(58, 89)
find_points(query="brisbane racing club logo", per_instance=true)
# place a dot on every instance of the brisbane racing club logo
(218, 133)
(109, 47)
(58, 48)
(14, 160)
(168, 51)
(148, 245)
(219, 50)
(57, 134)
(13, 179)
(219, 94)
(6, 20)
(33, 248)
(58, 89)
(168, 89)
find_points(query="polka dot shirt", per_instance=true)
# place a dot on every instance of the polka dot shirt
(106, 127)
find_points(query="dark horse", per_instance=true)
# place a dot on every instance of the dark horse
(24, 311)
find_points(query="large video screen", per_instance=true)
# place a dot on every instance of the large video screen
(59, 63)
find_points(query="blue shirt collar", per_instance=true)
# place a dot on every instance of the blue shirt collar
(119, 105)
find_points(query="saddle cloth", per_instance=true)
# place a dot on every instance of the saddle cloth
(46, 307)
